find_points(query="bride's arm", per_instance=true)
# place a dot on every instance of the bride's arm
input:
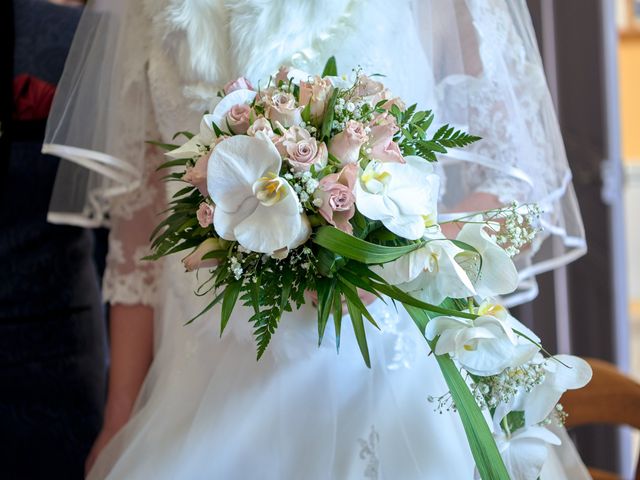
(130, 286)
(131, 347)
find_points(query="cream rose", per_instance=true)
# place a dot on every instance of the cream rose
(338, 199)
(282, 75)
(345, 146)
(205, 215)
(366, 87)
(382, 147)
(194, 260)
(316, 93)
(197, 175)
(281, 107)
(238, 118)
(303, 150)
(238, 84)
(263, 125)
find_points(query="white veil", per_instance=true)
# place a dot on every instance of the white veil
(105, 75)
(487, 78)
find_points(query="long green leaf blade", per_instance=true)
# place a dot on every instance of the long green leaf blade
(325, 288)
(229, 302)
(337, 316)
(397, 294)
(330, 68)
(483, 446)
(358, 328)
(357, 249)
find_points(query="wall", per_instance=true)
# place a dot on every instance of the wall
(629, 62)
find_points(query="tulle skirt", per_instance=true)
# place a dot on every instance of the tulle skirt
(209, 410)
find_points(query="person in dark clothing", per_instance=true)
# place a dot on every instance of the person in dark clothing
(52, 333)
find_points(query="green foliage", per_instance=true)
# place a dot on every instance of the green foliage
(413, 138)
(330, 68)
(354, 248)
(327, 123)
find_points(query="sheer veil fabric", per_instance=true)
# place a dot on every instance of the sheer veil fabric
(143, 70)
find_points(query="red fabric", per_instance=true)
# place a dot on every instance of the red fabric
(32, 97)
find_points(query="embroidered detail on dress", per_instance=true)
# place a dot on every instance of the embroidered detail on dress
(404, 342)
(369, 453)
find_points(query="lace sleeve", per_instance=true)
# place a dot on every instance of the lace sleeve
(128, 278)
(498, 91)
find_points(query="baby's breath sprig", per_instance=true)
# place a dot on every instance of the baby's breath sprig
(518, 225)
(502, 388)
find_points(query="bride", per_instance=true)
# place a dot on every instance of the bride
(185, 403)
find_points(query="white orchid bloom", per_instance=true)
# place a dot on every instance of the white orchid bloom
(254, 205)
(526, 347)
(525, 451)
(197, 145)
(430, 273)
(237, 97)
(562, 373)
(403, 196)
(498, 275)
(538, 403)
(484, 346)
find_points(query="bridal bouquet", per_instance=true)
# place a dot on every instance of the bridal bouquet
(323, 188)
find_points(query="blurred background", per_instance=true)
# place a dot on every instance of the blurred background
(591, 51)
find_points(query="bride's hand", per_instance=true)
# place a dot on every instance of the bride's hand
(117, 413)
(103, 438)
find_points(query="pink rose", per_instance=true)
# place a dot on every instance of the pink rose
(303, 150)
(317, 93)
(261, 124)
(345, 146)
(338, 199)
(382, 146)
(366, 87)
(194, 260)
(281, 107)
(239, 118)
(205, 215)
(238, 84)
(197, 175)
(282, 75)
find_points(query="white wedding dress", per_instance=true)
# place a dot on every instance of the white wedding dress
(208, 410)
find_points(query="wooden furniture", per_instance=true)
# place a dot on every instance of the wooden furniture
(610, 398)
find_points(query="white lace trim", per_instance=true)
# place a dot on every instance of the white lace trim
(139, 285)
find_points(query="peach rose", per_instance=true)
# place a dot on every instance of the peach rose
(261, 124)
(194, 260)
(366, 87)
(338, 199)
(281, 107)
(282, 75)
(205, 215)
(382, 146)
(197, 175)
(303, 150)
(316, 93)
(238, 84)
(345, 146)
(238, 118)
